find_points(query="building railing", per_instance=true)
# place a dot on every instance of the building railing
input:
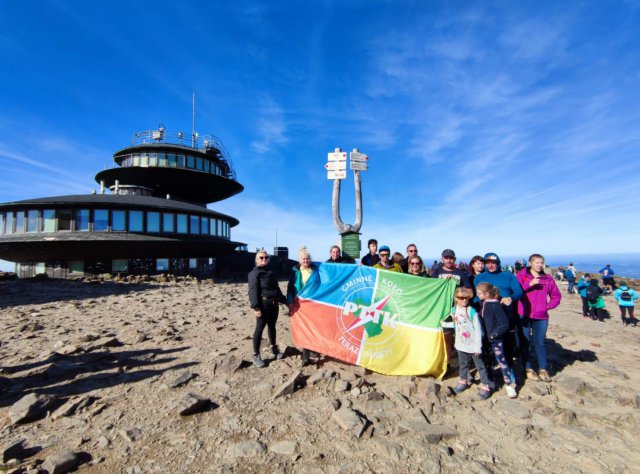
(192, 140)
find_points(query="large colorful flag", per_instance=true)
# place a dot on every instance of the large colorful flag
(385, 321)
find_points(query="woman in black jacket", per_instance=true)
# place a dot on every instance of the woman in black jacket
(264, 296)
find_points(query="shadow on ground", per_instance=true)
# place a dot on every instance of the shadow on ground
(65, 376)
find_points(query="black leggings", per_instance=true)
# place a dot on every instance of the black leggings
(585, 306)
(269, 318)
(623, 311)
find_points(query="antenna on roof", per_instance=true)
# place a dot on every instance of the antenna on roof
(194, 135)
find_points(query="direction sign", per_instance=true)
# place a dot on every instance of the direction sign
(336, 165)
(357, 156)
(358, 166)
(342, 174)
(337, 156)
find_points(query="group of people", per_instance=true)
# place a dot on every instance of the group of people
(500, 318)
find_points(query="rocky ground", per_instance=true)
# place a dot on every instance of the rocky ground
(155, 377)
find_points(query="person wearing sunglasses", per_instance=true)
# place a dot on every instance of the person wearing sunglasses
(264, 296)
(385, 262)
(412, 251)
(416, 267)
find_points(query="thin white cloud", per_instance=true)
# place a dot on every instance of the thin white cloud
(271, 127)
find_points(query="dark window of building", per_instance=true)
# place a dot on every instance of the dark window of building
(1, 223)
(162, 264)
(76, 266)
(82, 219)
(49, 220)
(195, 224)
(153, 159)
(199, 164)
(100, 220)
(162, 159)
(180, 160)
(153, 222)
(204, 225)
(193, 263)
(65, 216)
(171, 159)
(19, 222)
(182, 223)
(190, 162)
(212, 226)
(136, 223)
(118, 222)
(167, 222)
(207, 166)
(120, 266)
(32, 221)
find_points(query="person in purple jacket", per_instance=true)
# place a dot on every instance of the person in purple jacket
(541, 294)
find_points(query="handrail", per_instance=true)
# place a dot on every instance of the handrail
(195, 141)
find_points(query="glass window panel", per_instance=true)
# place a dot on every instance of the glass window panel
(162, 159)
(76, 266)
(193, 263)
(153, 159)
(180, 161)
(212, 227)
(144, 159)
(190, 162)
(100, 220)
(82, 219)
(207, 166)
(219, 228)
(162, 264)
(136, 223)
(204, 225)
(199, 164)
(49, 220)
(118, 223)
(9, 223)
(32, 221)
(65, 217)
(195, 224)
(153, 222)
(120, 266)
(167, 222)
(1, 223)
(40, 268)
(136, 160)
(19, 222)
(182, 223)
(171, 159)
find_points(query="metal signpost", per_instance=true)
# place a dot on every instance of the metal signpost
(337, 171)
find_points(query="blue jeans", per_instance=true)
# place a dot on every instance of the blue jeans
(535, 331)
(572, 282)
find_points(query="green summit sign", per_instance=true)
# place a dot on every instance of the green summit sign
(351, 244)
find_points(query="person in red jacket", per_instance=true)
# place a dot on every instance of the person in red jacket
(541, 294)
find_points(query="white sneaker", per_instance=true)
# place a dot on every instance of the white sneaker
(511, 391)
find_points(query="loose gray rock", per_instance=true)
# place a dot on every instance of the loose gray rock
(15, 450)
(288, 387)
(347, 419)
(72, 406)
(60, 462)
(388, 449)
(287, 448)
(435, 433)
(342, 386)
(572, 386)
(515, 409)
(229, 364)
(102, 343)
(29, 408)
(130, 435)
(182, 379)
(191, 403)
(245, 449)
(316, 377)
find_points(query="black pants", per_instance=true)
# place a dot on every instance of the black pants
(623, 311)
(585, 306)
(269, 318)
(597, 314)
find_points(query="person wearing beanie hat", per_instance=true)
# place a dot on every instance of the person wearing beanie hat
(626, 297)
(385, 262)
(510, 294)
(449, 270)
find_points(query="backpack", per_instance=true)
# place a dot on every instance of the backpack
(625, 295)
(592, 293)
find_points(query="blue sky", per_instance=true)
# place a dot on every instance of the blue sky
(505, 126)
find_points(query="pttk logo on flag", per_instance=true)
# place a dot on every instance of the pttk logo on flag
(387, 322)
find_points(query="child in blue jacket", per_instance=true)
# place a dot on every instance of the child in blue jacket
(626, 298)
(496, 324)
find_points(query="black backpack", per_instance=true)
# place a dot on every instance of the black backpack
(592, 293)
(625, 295)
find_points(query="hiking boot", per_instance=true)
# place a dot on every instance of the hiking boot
(484, 394)
(276, 352)
(511, 391)
(461, 387)
(532, 375)
(258, 362)
(544, 375)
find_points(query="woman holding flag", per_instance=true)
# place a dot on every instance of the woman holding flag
(300, 275)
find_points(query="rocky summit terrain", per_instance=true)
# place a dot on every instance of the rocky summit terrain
(120, 377)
